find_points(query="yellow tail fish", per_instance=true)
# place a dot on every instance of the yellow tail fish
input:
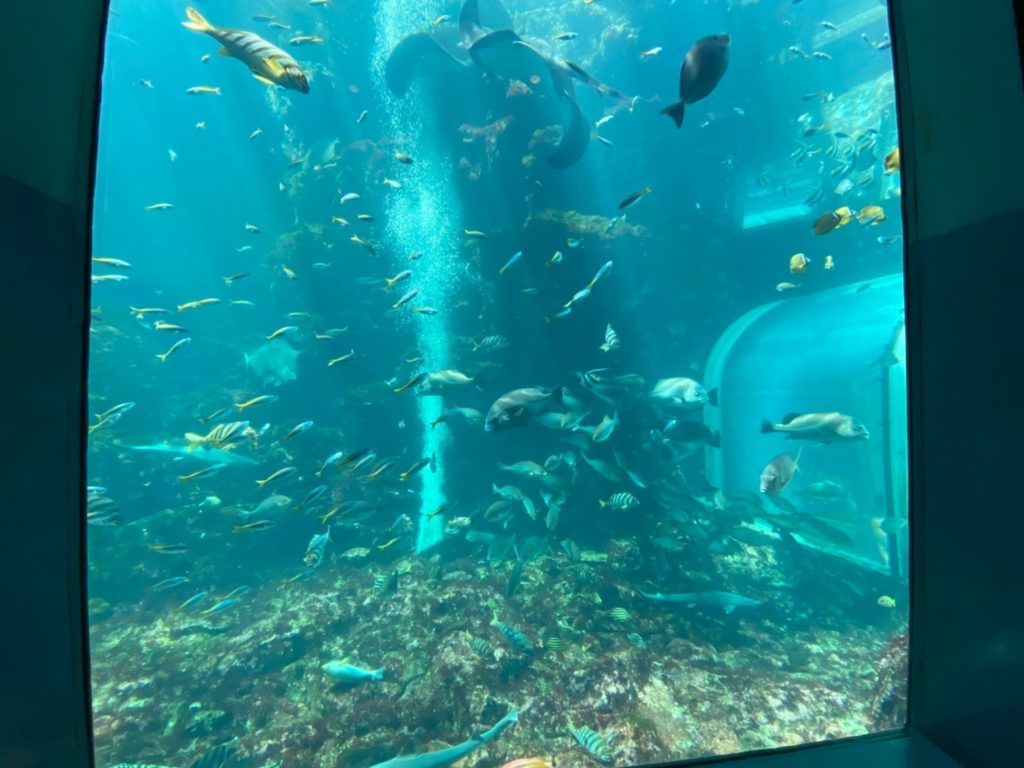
(267, 62)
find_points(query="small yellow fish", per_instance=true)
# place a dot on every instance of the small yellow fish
(258, 400)
(436, 512)
(441, 19)
(387, 545)
(256, 525)
(380, 470)
(785, 287)
(403, 158)
(343, 358)
(845, 215)
(330, 514)
(289, 272)
(368, 246)
(871, 214)
(209, 90)
(141, 312)
(341, 221)
(255, 134)
(282, 331)
(212, 416)
(254, 229)
(798, 263)
(174, 348)
(160, 325)
(475, 233)
(364, 217)
(279, 474)
(198, 473)
(405, 273)
(158, 207)
(411, 383)
(892, 161)
(196, 304)
(237, 276)
(887, 602)
(829, 264)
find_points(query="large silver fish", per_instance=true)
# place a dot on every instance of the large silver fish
(267, 62)
(832, 427)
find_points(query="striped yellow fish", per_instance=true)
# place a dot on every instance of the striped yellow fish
(268, 63)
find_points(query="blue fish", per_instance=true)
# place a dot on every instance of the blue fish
(348, 673)
(515, 257)
(334, 457)
(445, 757)
(197, 598)
(223, 605)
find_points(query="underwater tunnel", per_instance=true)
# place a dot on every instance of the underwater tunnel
(940, 399)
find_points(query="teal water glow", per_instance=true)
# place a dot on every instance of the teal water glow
(424, 215)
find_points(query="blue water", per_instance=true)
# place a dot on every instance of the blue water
(803, 108)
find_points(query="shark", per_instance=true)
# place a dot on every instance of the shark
(727, 601)
(500, 53)
(202, 453)
(444, 757)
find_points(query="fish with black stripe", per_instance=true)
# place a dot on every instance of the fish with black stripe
(268, 63)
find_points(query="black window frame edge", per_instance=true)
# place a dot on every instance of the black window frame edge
(50, 726)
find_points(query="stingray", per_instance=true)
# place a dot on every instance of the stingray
(500, 53)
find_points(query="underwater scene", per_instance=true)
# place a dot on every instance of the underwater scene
(495, 383)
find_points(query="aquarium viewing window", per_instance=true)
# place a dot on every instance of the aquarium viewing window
(520, 381)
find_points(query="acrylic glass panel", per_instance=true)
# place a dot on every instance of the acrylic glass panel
(451, 402)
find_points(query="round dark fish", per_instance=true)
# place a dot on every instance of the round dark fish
(515, 408)
(703, 67)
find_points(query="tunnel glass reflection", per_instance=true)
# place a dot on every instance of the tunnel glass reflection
(468, 379)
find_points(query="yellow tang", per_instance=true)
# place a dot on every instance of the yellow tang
(798, 263)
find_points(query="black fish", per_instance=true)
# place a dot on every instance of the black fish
(634, 198)
(703, 67)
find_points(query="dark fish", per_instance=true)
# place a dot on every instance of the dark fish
(826, 223)
(703, 67)
(694, 432)
(514, 408)
(515, 637)
(268, 63)
(634, 198)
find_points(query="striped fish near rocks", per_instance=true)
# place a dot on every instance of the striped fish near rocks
(593, 742)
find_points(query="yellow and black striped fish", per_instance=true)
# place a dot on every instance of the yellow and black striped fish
(268, 63)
